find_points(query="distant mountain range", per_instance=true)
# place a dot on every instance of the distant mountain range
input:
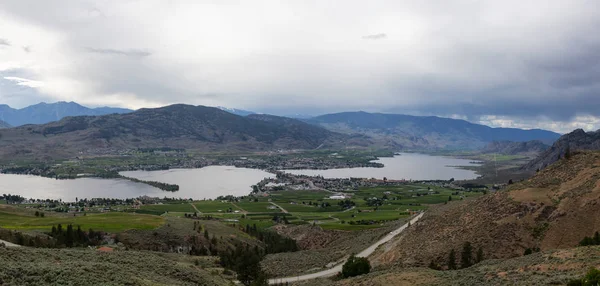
(425, 132)
(42, 113)
(577, 140)
(176, 126)
(209, 128)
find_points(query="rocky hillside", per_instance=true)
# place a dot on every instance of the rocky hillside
(42, 113)
(554, 267)
(515, 148)
(576, 140)
(175, 126)
(556, 208)
(425, 132)
(4, 124)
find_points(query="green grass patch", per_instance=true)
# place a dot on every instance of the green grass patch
(214, 206)
(178, 207)
(110, 222)
(258, 207)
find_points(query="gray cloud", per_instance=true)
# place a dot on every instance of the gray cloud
(4, 42)
(27, 49)
(129, 53)
(526, 62)
(375, 36)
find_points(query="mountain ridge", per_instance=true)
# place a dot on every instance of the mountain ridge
(515, 148)
(177, 126)
(576, 140)
(43, 113)
(428, 132)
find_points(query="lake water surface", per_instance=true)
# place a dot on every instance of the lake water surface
(213, 181)
(208, 182)
(404, 166)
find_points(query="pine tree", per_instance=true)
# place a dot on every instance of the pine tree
(69, 236)
(452, 260)
(479, 255)
(466, 258)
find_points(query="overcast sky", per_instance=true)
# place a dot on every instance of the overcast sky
(529, 64)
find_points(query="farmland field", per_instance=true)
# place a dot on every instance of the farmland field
(178, 207)
(110, 222)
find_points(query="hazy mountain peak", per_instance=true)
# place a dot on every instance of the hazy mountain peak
(236, 111)
(43, 112)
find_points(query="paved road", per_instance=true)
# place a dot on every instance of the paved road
(194, 206)
(338, 268)
(282, 209)
(8, 243)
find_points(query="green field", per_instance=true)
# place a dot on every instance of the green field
(395, 202)
(297, 207)
(299, 196)
(373, 206)
(177, 207)
(259, 207)
(110, 222)
(214, 206)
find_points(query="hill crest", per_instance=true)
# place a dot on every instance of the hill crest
(426, 132)
(555, 209)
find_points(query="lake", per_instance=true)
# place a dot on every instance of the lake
(404, 166)
(208, 182)
(213, 181)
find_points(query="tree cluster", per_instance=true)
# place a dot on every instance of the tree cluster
(26, 239)
(467, 258)
(12, 199)
(245, 261)
(70, 237)
(594, 240)
(346, 204)
(274, 242)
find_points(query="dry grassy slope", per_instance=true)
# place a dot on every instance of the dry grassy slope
(37, 266)
(554, 267)
(179, 232)
(554, 209)
(320, 247)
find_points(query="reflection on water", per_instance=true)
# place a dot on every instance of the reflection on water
(405, 166)
(207, 182)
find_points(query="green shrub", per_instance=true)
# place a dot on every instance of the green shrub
(356, 266)
(592, 278)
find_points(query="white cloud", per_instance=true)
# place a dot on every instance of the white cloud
(25, 82)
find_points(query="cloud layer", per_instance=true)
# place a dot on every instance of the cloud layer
(506, 63)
